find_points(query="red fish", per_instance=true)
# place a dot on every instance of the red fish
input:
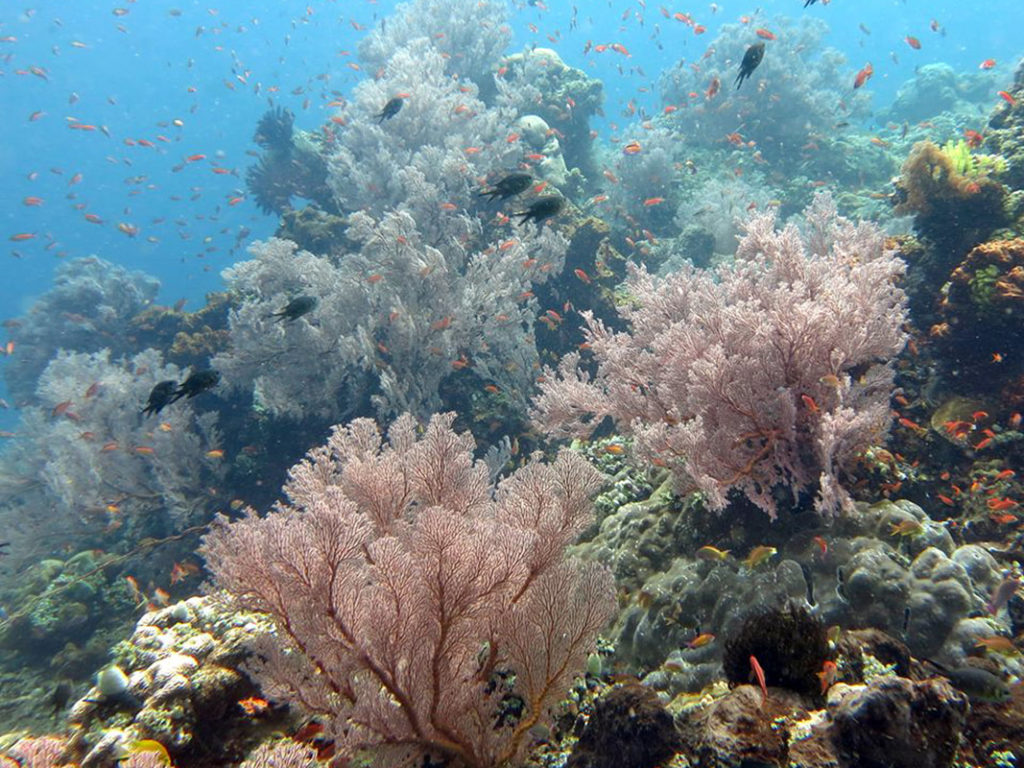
(713, 88)
(863, 76)
(827, 675)
(1008, 98)
(764, 34)
(987, 64)
(913, 42)
(756, 668)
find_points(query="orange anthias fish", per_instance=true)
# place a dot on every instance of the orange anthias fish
(863, 76)
(827, 675)
(254, 706)
(701, 640)
(913, 42)
(713, 87)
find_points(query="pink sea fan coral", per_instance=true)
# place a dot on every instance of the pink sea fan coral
(412, 599)
(772, 372)
(282, 754)
(42, 752)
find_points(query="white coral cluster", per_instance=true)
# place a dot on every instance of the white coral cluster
(470, 35)
(87, 459)
(393, 319)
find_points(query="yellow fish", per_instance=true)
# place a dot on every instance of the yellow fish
(906, 528)
(148, 745)
(710, 553)
(758, 555)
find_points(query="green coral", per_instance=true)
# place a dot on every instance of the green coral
(873, 668)
(982, 286)
(973, 164)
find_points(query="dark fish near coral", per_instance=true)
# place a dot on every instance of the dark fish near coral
(978, 684)
(542, 208)
(296, 308)
(197, 383)
(162, 394)
(390, 109)
(61, 696)
(511, 185)
(751, 60)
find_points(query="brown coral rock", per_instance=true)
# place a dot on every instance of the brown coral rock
(739, 729)
(629, 728)
(897, 723)
(991, 280)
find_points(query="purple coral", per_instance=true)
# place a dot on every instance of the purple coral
(412, 599)
(770, 372)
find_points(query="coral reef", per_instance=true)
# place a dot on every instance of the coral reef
(282, 754)
(897, 722)
(184, 687)
(922, 587)
(392, 321)
(470, 37)
(719, 208)
(889, 722)
(43, 752)
(89, 463)
(981, 306)
(538, 85)
(792, 100)
(425, 160)
(1005, 131)
(952, 211)
(937, 88)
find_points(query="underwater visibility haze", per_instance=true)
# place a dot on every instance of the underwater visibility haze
(499, 383)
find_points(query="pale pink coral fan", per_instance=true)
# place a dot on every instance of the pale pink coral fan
(411, 597)
(772, 371)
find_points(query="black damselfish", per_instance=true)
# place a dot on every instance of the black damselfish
(509, 186)
(296, 308)
(751, 60)
(542, 208)
(390, 109)
(162, 394)
(196, 383)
